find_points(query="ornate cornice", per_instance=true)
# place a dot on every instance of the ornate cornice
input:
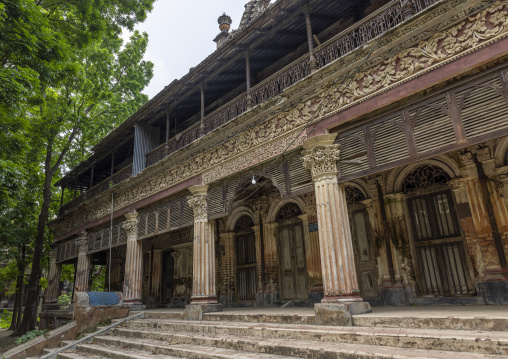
(322, 160)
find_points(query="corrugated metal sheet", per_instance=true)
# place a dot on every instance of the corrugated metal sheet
(146, 138)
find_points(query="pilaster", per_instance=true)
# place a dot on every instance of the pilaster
(341, 290)
(489, 216)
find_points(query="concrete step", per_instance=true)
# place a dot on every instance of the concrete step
(294, 348)
(119, 348)
(465, 341)
(309, 318)
(116, 353)
(452, 322)
(164, 314)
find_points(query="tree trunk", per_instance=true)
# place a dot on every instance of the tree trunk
(32, 297)
(18, 301)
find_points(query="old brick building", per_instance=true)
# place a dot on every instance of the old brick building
(327, 152)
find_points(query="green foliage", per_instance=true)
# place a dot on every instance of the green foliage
(66, 80)
(98, 281)
(67, 273)
(64, 301)
(5, 319)
(30, 335)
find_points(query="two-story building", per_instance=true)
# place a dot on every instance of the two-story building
(331, 152)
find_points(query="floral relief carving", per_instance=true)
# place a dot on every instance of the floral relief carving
(321, 160)
(442, 46)
(282, 127)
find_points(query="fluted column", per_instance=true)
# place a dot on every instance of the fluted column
(340, 283)
(83, 269)
(204, 293)
(203, 284)
(133, 278)
(55, 270)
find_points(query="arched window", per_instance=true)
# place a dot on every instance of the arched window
(424, 177)
(354, 195)
(288, 212)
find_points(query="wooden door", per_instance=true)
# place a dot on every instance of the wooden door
(442, 267)
(167, 277)
(292, 262)
(364, 253)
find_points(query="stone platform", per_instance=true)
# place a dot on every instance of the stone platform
(277, 333)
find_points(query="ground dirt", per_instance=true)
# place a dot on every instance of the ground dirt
(6, 341)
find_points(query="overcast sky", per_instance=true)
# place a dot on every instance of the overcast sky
(181, 35)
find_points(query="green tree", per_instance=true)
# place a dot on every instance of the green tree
(65, 81)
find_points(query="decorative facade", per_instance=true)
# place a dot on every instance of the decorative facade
(331, 152)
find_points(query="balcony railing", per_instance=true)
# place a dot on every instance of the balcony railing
(103, 186)
(340, 45)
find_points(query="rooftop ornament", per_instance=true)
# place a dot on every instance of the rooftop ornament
(224, 22)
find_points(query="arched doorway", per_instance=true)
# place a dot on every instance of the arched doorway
(292, 259)
(438, 246)
(245, 248)
(363, 245)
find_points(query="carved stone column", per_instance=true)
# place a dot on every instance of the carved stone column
(53, 289)
(204, 294)
(133, 278)
(341, 290)
(83, 268)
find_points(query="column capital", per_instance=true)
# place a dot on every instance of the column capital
(198, 202)
(131, 226)
(53, 254)
(82, 242)
(458, 186)
(321, 156)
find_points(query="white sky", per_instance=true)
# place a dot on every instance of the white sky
(181, 35)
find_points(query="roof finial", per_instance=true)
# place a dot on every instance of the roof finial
(224, 22)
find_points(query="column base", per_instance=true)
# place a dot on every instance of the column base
(494, 288)
(135, 305)
(195, 311)
(339, 313)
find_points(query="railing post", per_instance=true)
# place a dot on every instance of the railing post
(247, 69)
(91, 176)
(112, 163)
(408, 9)
(168, 123)
(202, 125)
(313, 62)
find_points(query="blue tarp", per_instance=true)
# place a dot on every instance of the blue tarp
(103, 298)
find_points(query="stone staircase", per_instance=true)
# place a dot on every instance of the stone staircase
(221, 335)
